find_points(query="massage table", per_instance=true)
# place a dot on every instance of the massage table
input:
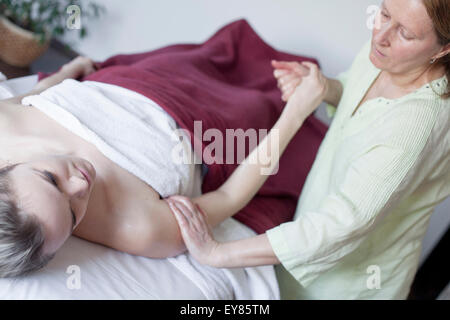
(85, 270)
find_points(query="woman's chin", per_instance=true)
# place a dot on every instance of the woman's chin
(375, 61)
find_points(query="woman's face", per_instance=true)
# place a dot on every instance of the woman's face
(405, 37)
(56, 189)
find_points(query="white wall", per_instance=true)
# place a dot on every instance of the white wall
(332, 31)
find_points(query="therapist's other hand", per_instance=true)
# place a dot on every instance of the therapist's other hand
(289, 75)
(309, 94)
(197, 233)
(79, 67)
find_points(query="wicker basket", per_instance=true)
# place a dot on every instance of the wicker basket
(19, 47)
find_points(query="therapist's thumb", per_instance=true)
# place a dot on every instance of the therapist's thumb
(313, 68)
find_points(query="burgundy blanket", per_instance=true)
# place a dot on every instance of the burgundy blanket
(226, 82)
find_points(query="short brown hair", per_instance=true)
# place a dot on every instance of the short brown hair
(21, 234)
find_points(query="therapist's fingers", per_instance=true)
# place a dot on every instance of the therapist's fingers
(293, 66)
(189, 210)
(289, 91)
(285, 65)
(185, 200)
(290, 77)
(197, 234)
(288, 84)
(180, 217)
(278, 73)
(205, 216)
(287, 87)
(313, 68)
(189, 230)
(195, 217)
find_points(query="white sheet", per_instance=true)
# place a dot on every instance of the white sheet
(17, 86)
(84, 270)
(104, 273)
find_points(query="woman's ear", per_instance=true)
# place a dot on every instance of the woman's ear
(445, 51)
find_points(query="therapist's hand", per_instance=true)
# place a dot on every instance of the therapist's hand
(196, 232)
(289, 75)
(308, 94)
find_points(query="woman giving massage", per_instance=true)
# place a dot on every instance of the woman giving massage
(374, 183)
(380, 171)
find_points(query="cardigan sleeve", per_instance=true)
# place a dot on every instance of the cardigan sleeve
(374, 181)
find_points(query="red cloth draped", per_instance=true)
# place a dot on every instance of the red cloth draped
(226, 82)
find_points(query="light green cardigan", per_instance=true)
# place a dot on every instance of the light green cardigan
(365, 206)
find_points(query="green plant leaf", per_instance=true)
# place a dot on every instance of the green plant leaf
(83, 32)
(58, 30)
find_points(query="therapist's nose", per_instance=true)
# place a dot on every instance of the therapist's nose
(382, 36)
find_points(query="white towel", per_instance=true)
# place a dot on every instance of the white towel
(127, 127)
(110, 274)
(256, 283)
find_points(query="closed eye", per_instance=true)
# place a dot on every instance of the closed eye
(406, 37)
(51, 178)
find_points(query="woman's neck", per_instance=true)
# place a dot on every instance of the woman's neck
(413, 80)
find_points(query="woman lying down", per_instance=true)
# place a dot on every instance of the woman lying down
(54, 183)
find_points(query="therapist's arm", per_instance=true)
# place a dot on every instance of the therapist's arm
(290, 74)
(250, 252)
(334, 92)
(199, 240)
(251, 174)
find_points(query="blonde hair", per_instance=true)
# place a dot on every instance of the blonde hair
(21, 235)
